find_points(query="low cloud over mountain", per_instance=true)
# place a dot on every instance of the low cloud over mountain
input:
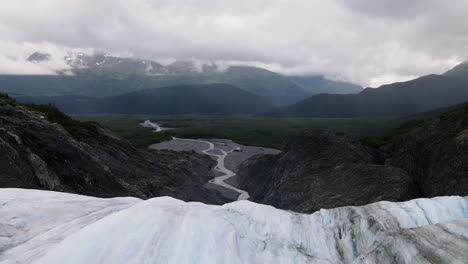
(364, 42)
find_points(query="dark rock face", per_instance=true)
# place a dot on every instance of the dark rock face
(323, 169)
(34, 153)
(435, 153)
(38, 57)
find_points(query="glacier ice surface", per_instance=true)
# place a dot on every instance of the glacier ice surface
(50, 227)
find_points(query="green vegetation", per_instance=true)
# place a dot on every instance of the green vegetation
(80, 130)
(453, 118)
(460, 113)
(246, 130)
(127, 127)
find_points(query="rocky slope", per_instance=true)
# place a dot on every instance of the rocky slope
(434, 152)
(321, 169)
(164, 230)
(42, 148)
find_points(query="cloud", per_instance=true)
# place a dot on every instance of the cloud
(13, 59)
(364, 41)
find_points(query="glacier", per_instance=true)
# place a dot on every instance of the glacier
(50, 227)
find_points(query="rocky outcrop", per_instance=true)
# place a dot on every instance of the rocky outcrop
(322, 169)
(426, 158)
(434, 152)
(87, 159)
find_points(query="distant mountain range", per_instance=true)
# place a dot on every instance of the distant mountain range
(397, 99)
(115, 78)
(106, 75)
(209, 99)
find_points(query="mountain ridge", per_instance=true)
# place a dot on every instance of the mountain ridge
(106, 75)
(398, 99)
(209, 99)
(317, 84)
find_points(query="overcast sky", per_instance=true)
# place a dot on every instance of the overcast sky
(368, 42)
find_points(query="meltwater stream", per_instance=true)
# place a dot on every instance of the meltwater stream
(157, 128)
(220, 158)
(220, 181)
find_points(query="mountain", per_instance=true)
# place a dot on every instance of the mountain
(42, 148)
(319, 84)
(113, 67)
(120, 67)
(397, 99)
(460, 71)
(83, 229)
(184, 99)
(275, 87)
(106, 75)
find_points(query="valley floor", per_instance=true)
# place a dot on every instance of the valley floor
(229, 156)
(243, 129)
(50, 227)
